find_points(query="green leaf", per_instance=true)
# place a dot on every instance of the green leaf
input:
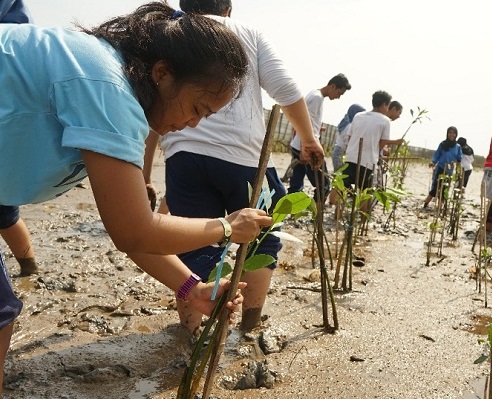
(226, 269)
(396, 191)
(489, 331)
(481, 359)
(383, 199)
(291, 204)
(257, 262)
(313, 208)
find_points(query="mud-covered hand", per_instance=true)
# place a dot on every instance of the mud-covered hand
(312, 153)
(247, 223)
(199, 297)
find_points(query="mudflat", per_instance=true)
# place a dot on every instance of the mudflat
(96, 326)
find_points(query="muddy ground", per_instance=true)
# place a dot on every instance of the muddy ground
(94, 326)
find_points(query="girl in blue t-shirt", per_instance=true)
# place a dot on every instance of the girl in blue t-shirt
(82, 104)
(447, 154)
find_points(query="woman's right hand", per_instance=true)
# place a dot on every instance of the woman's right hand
(247, 223)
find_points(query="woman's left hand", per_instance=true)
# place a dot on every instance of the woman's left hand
(199, 297)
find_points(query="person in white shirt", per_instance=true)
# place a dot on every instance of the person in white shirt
(466, 160)
(336, 87)
(369, 132)
(208, 166)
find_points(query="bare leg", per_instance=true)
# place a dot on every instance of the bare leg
(427, 200)
(18, 239)
(5, 334)
(254, 297)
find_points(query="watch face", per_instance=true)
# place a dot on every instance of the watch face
(227, 227)
(227, 230)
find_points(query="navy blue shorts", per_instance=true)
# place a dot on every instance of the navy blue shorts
(9, 215)
(10, 305)
(200, 186)
(365, 176)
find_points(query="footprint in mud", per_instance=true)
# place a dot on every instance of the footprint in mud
(89, 373)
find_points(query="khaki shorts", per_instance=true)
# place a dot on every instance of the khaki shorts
(487, 183)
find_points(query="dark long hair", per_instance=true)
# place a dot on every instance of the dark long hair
(196, 49)
(214, 7)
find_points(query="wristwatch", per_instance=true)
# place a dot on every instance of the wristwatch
(227, 233)
(185, 289)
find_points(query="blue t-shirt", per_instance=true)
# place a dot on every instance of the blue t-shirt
(444, 157)
(61, 91)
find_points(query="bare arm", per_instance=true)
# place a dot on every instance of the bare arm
(150, 146)
(382, 143)
(121, 197)
(298, 115)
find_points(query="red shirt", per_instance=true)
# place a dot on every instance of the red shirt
(488, 160)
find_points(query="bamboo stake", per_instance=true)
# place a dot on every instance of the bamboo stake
(242, 251)
(326, 289)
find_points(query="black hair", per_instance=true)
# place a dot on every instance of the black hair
(465, 148)
(395, 104)
(340, 81)
(461, 141)
(196, 49)
(380, 97)
(448, 144)
(451, 128)
(213, 7)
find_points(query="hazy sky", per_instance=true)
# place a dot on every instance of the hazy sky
(432, 54)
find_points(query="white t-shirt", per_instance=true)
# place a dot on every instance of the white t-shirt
(314, 102)
(237, 131)
(467, 162)
(371, 127)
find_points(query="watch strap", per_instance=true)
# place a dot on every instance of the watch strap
(227, 232)
(187, 286)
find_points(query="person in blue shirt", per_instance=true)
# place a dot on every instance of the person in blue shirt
(447, 154)
(12, 228)
(82, 103)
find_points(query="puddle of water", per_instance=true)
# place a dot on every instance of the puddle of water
(25, 284)
(143, 389)
(480, 389)
(144, 329)
(480, 325)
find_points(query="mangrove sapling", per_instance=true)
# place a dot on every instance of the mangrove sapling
(342, 194)
(484, 262)
(436, 224)
(442, 208)
(399, 160)
(290, 204)
(397, 172)
(389, 199)
(319, 238)
(487, 345)
(456, 205)
(191, 377)
(420, 115)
